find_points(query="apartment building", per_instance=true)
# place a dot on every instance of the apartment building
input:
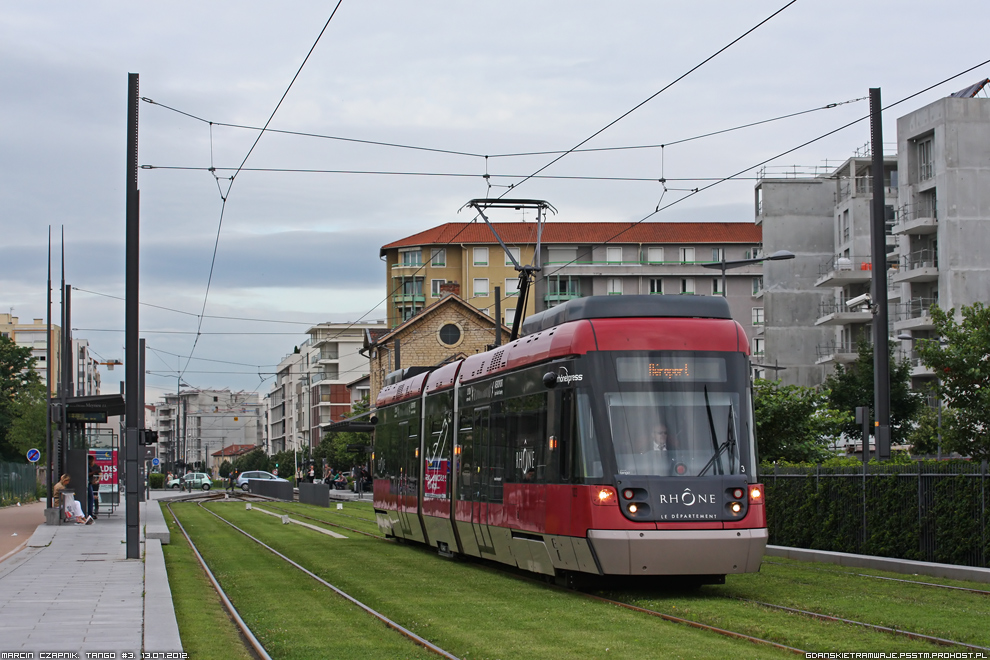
(32, 335)
(195, 423)
(943, 219)
(937, 237)
(287, 403)
(577, 259)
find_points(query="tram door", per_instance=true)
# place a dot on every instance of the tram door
(485, 475)
(408, 441)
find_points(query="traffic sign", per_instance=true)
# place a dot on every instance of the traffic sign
(33, 455)
(156, 461)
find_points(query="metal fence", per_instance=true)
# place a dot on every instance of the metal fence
(18, 483)
(927, 511)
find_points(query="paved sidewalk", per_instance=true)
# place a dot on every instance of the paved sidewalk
(72, 589)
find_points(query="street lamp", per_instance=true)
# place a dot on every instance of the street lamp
(724, 265)
(938, 391)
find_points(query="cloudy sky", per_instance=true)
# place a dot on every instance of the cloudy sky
(300, 247)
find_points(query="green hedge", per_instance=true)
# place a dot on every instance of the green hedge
(156, 480)
(927, 511)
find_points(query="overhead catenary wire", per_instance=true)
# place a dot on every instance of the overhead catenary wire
(230, 185)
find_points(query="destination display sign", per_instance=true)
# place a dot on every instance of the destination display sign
(682, 369)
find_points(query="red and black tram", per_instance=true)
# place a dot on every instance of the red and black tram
(614, 437)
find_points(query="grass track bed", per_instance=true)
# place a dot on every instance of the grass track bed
(292, 615)
(474, 613)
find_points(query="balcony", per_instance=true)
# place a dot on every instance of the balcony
(915, 315)
(837, 353)
(840, 271)
(918, 266)
(409, 298)
(918, 369)
(328, 354)
(916, 219)
(557, 298)
(893, 288)
(836, 313)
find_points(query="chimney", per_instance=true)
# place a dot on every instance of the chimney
(450, 288)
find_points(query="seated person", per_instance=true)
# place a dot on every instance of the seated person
(74, 509)
(340, 483)
(647, 452)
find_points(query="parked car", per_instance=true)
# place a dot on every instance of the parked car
(244, 477)
(192, 480)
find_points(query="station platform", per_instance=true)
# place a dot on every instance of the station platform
(71, 588)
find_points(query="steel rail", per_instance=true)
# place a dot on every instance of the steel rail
(695, 624)
(894, 631)
(378, 615)
(882, 577)
(245, 630)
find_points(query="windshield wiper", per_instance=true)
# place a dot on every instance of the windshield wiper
(730, 443)
(715, 446)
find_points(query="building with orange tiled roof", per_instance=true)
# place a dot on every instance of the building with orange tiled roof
(578, 259)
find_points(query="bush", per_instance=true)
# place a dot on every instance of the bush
(156, 480)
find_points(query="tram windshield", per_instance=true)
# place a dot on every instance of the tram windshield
(676, 421)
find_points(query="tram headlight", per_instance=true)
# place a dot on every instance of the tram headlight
(735, 507)
(633, 508)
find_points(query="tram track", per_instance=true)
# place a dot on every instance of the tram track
(249, 637)
(876, 628)
(890, 579)
(426, 644)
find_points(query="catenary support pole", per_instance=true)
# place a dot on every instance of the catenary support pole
(881, 351)
(131, 330)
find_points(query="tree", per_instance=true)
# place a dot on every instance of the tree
(225, 469)
(794, 423)
(852, 386)
(18, 379)
(961, 360)
(334, 445)
(29, 427)
(253, 460)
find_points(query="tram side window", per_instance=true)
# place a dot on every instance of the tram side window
(525, 423)
(587, 458)
(466, 478)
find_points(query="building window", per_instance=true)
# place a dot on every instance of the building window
(481, 287)
(510, 316)
(758, 344)
(687, 255)
(926, 159)
(753, 253)
(759, 201)
(687, 285)
(480, 256)
(757, 316)
(411, 257)
(563, 286)
(450, 334)
(613, 255)
(717, 254)
(512, 287)
(757, 285)
(435, 287)
(438, 257)
(514, 252)
(656, 286)
(614, 286)
(412, 287)
(845, 226)
(654, 255)
(717, 286)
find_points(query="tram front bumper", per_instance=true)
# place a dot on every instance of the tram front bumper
(679, 552)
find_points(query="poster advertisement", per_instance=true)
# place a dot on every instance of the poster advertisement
(107, 460)
(436, 479)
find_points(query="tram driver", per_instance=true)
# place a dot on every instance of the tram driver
(649, 449)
